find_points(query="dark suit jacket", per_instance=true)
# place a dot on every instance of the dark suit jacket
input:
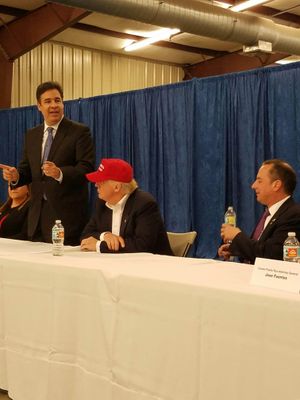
(142, 227)
(73, 152)
(270, 244)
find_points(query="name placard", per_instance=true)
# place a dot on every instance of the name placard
(275, 274)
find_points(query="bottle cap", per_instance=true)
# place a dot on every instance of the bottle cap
(292, 234)
(57, 221)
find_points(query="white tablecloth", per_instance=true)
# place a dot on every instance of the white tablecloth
(142, 327)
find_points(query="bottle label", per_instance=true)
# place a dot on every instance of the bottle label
(58, 234)
(230, 219)
(290, 251)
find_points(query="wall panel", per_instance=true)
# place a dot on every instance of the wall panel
(67, 79)
(77, 73)
(24, 75)
(35, 69)
(46, 62)
(96, 71)
(57, 63)
(85, 72)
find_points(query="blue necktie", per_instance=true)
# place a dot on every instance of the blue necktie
(48, 144)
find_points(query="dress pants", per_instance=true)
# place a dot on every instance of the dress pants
(47, 219)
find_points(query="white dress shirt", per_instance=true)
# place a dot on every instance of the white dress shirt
(273, 209)
(117, 213)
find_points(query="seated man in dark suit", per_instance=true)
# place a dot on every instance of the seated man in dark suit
(274, 185)
(127, 220)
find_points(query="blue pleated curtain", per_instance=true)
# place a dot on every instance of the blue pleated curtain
(196, 145)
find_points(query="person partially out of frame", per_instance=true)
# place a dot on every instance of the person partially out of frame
(274, 186)
(14, 213)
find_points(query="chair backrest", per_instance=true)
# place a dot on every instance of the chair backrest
(181, 242)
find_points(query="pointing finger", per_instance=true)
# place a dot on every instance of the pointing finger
(3, 166)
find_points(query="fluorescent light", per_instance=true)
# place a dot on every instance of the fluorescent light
(221, 4)
(288, 60)
(162, 34)
(247, 4)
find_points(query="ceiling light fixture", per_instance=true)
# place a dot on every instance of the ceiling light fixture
(162, 34)
(221, 4)
(288, 60)
(247, 4)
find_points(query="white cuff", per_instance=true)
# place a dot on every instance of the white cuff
(98, 246)
(102, 235)
(60, 178)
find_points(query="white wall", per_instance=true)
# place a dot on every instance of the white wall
(85, 73)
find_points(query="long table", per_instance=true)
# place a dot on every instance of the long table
(142, 327)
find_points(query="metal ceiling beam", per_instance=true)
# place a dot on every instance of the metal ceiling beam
(28, 31)
(166, 44)
(18, 36)
(17, 12)
(206, 20)
(282, 17)
(228, 63)
(13, 11)
(6, 71)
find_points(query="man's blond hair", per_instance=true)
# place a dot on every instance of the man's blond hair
(130, 186)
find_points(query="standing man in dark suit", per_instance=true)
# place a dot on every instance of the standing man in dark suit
(127, 220)
(274, 185)
(57, 155)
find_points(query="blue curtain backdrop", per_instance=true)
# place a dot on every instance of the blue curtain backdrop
(196, 145)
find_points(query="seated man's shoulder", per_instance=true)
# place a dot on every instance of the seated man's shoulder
(294, 209)
(143, 196)
(288, 217)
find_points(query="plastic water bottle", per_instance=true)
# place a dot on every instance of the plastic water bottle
(58, 236)
(291, 248)
(230, 216)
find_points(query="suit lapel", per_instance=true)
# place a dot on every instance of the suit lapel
(274, 218)
(126, 213)
(59, 137)
(37, 145)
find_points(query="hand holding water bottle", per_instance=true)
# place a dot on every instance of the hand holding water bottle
(228, 229)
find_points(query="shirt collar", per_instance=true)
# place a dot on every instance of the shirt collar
(275, 207)
(119, 205)
(55, 127)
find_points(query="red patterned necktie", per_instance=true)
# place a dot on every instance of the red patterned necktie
(260, 225)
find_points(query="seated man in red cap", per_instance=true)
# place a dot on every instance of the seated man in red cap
(127, 220)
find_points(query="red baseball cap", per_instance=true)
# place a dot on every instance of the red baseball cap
(113, 169)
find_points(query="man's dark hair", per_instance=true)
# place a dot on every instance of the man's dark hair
(283, 171)
(43, 87)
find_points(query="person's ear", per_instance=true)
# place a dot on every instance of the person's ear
(117, 187)
(277, 184)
